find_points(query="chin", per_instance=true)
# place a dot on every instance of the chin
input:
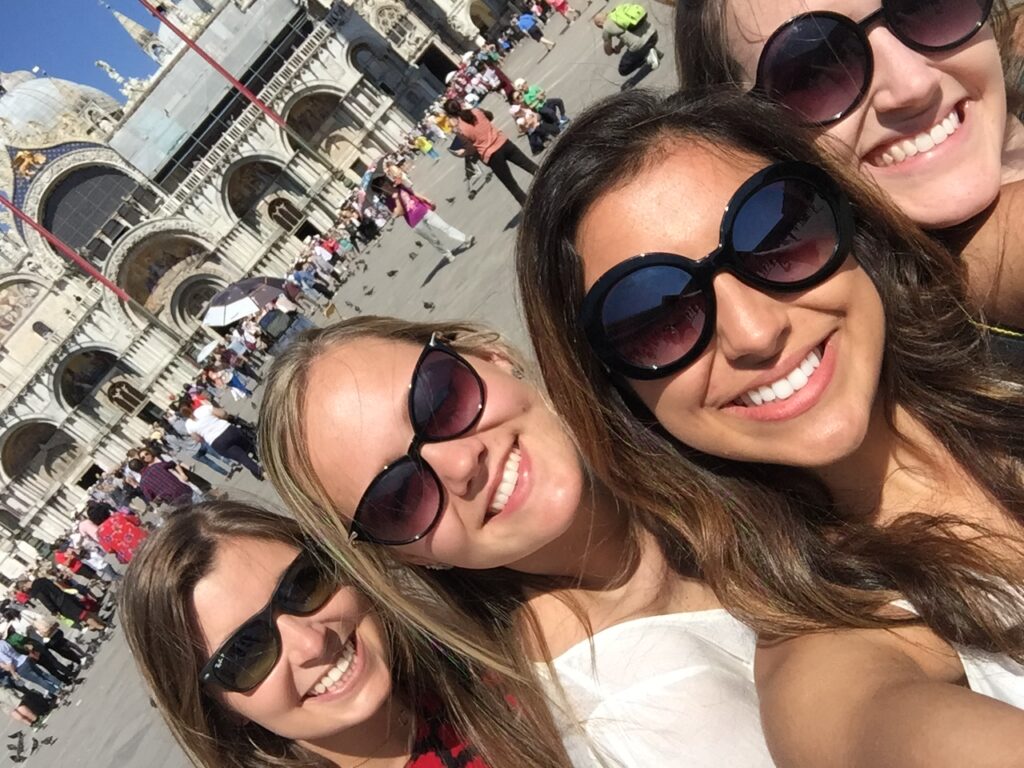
(942, 209)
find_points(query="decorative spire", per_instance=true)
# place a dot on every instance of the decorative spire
(144, 38)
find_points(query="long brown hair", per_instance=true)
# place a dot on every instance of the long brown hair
(481, 616)
(769, 540)
(704, 61)
(164, 637)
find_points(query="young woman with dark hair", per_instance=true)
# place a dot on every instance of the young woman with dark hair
(796, 388)
(492, 146)
(260, 653)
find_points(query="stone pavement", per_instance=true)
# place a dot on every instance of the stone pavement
(110, 723)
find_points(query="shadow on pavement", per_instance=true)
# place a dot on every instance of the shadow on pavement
(513, 222)
(437, 268)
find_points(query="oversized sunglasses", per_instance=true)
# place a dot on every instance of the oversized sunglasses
(820, 64)
(786, 229)
(404, 501)
(244, 660)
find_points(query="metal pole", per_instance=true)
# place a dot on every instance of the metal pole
(238, 85)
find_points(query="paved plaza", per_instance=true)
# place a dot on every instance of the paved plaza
(110, 723)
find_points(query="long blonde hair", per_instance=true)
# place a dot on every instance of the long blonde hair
(164, 637)
(480, 617)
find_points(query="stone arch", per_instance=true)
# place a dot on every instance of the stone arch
(323, 120)
(33, 446)
(384, 71)
(82, 372)
(284, 213)
(481, 15)
(250, 180)
(19, 295)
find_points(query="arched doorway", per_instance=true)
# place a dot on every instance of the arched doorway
(482, 16)
(249, 183)
(146, 269)
(82, 373)
(191, 297)
(34, 446)
(82, 203)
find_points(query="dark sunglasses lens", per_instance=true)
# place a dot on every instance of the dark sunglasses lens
(250, 657)
(305, 589)
(654, 316)
(816, 66)
(401, 505)
(786, 232)
(446, 396)
(937, 23)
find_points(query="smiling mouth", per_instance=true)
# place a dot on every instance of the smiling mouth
(925, 141)
(785, 387)
(340, 673)
(509, 480)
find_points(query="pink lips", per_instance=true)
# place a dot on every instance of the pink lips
(800, 402)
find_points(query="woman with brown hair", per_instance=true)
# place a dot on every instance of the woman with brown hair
(490, 512)
(910, 93)
(259, 653)
(808, 405)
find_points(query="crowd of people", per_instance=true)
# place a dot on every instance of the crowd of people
(761, 502)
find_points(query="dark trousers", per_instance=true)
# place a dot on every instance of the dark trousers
(498, 162)
(539, 135)
(63, 647)
(631, 61)
(49, 662)
(234, 444)
(552, 111)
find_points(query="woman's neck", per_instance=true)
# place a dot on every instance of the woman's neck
(903, 468)
(1013, 151)
(617, 578)
(383, 741)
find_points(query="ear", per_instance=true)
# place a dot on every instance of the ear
(501, 360)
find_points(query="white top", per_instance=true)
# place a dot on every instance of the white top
(674, 690)
(205, 424)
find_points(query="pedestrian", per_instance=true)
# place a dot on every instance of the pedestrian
(492, 146)
(119, 531)
(550, 108)
(562, 6)
(628, 26)
(537, 132)
(59, 602)
(164, 482)
(210, 425)
(529, 24)
(421, 215)
(425, 146)
(20, 665)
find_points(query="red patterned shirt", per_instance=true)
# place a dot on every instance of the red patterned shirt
(438, 745)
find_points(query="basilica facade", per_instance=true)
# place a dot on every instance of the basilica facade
(175, 193)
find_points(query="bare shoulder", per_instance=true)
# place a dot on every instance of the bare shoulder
(868, 698)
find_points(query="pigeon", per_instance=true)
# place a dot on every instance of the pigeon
(428, 305)
(412, 255)
(367, 290)
(392, 272)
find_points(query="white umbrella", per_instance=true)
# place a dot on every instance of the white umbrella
(226, 314)
(207, 350)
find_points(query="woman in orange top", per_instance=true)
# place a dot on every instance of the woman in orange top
(493, 147)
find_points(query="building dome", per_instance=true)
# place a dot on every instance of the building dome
(44, 106)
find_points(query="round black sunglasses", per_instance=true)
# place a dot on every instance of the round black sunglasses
(786, 229)
(820, 64)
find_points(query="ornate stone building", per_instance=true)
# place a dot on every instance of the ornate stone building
(176, 193)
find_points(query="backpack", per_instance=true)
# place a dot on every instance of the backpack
(627, 15)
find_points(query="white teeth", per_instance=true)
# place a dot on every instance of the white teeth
(922, 142)
(509, 478)
(335, 673)
(785, 387)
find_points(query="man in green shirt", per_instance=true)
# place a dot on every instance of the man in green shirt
(629, 26)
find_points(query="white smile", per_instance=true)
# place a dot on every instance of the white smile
(509, 478)
(337, 676)
(925, 141)
(786, 387)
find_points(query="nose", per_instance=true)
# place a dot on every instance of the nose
(752, 326)
(905, 83)
(303, 638)
(460, 463)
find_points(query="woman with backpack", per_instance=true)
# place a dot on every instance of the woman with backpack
(491, 145)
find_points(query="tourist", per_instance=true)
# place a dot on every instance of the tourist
(43, 631)
(629, 26)
(493, 147)
(59, 602)
(890, 98)
(421, 215)
(118, 531)
(529, 24)
(210, 425)
(258, 654)
(551, 109)
(21, 665)
(537, 132)
(492, 510)
(567, 12)
(821, 357)
(164, 482)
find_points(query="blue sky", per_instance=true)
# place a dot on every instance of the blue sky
(65, 37)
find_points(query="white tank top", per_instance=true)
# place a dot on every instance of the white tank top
(998, 677)
(673, 690)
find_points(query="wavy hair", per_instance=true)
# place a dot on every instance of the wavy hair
(770, 541)
(167, 643)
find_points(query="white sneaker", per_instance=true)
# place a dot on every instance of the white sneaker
(653, 59)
